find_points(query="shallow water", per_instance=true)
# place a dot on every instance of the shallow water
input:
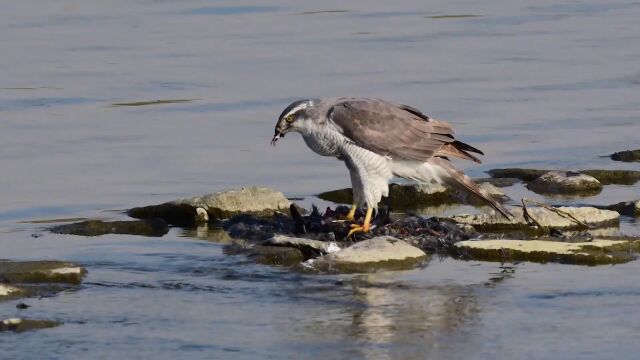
(534, 84)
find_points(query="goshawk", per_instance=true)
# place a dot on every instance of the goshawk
(378, 140)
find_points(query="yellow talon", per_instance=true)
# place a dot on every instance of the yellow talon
(352, 213)
(355, 228)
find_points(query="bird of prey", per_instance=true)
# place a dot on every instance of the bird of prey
(378, 140)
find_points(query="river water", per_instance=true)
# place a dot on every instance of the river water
(533, 84)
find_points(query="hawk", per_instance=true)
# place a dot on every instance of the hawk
(378, 140)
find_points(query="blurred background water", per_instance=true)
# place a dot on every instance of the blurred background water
(533, 84)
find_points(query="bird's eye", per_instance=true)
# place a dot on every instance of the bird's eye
(289, 119)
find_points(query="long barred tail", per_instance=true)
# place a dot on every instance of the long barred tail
(458, 178)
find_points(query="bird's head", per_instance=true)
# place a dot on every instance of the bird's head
(295, 117)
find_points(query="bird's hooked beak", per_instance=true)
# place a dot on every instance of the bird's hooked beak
(276, 136)
(281, 129)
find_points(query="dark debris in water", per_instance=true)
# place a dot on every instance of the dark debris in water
(430, 234)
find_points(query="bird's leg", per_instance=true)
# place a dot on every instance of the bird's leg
(352, 213)
(365, 227)
(350, 216)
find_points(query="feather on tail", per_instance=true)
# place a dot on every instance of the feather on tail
(459, 179)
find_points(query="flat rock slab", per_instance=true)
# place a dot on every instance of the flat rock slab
(606, 177)
(546, 218)
(253, 200)
(626, 156)
(148, 227)
(41, 272)
(379, 253)
(594, 252)
(565, 182)
(21, 325)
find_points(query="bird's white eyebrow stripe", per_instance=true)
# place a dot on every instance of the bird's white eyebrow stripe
(297, 108)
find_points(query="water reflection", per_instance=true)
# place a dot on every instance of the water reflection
(378, 317)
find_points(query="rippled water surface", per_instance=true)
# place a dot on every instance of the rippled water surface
(109, 105)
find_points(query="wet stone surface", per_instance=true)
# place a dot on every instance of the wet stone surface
(606, 177)
(379, 253)
(595, 252)
(253, 200)
(626, 208)
(626, 156)
(149, 227)
(20, 279)
(21, 325)
(41, 272)
(566, 182)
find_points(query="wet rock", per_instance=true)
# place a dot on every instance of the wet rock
(594, 252)
(401, 196)
(41, 272)
(517, 173)
(9, 292)
(606, 177)
(627, 208)
(380, 253)
(498, 182)
(617, 177)
(565, 182)
(626, 156)
(254, 200)
(310, 248)
(546, 218)
(20, 325)
(267, 255)
(149, 227)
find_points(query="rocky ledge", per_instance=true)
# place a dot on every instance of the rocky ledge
(605, 177)
(595, 252)
(20, 279)
(21, 325)
(543, 217)
(565, 182)
(626, 156)
(147, 227)
(254, 200)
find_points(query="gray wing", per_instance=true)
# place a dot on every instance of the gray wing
(390, 129)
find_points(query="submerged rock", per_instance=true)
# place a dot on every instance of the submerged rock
(546, 218)
(149, 227)
(20, 325)
(267, 255)
(254, 200)
(627, 208)
(626, 156)
(41, 272)
(380, 253)
(606, 177)
(566, 182)
(594, 252)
